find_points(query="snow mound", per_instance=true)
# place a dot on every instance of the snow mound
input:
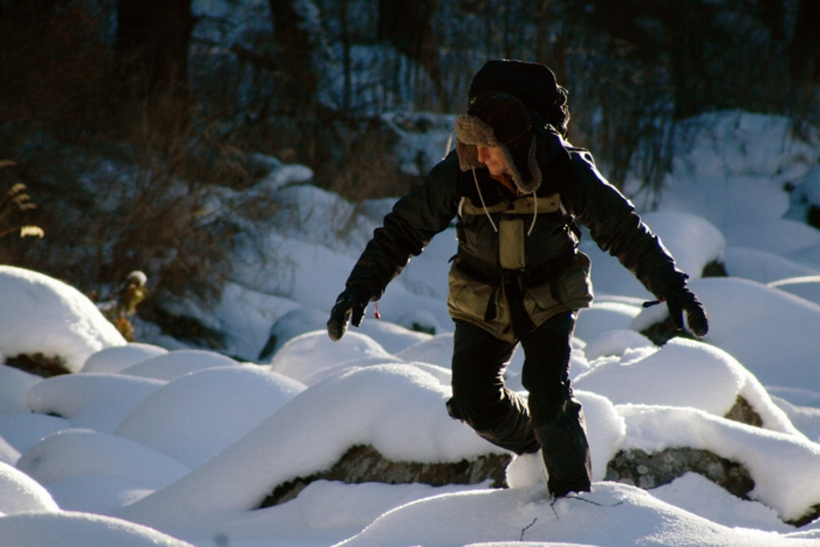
(34, 303)
(655, 428)
(806, 287)
(389, 407)
(695, 375)
(764, 266)
(117, 358)
(804, 196)
(19, 493)
(70, 529)
(692, 240)
(525, 515)
(758, 326)
(92, 401)
(14, 384)
(74, 452)
(199, 415)
(297, 358)
(175, 364)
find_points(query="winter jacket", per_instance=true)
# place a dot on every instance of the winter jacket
(517, 263)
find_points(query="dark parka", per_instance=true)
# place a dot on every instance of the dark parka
(553, 276)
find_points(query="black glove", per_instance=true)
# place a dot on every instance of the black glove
(679, 299)
(351, 304)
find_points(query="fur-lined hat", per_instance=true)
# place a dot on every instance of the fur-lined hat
(500, 121)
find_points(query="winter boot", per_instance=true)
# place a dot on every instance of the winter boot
(566, 451)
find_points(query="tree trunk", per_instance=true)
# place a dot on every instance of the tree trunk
(805, 44)
(407, 26)
(152, 45)
(542, 21)
(346, 61)
(773, 15)
(297, 48)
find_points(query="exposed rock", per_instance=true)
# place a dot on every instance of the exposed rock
(363, 463)
(663, 331)
(714, 269)
(185, 328)
(644, 470)
(813, 216)
(810, 516)
(744, 413)
(39, 364)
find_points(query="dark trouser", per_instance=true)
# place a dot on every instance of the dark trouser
(552, 420)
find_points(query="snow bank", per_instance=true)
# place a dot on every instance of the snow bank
(614, 514)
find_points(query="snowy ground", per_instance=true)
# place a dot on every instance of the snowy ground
(158, 444)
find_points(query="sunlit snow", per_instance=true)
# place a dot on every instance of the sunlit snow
(156, 443)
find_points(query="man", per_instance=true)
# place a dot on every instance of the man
(517, 188)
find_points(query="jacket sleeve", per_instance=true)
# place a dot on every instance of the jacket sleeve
(427, 210)
(617, 228)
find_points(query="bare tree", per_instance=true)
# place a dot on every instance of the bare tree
(152, 45)
(297, 43)
(407, 26)
(805, 44)
(773, 15)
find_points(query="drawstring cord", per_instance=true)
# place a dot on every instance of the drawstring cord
(484, 205)
(486, 212)
(534, 213)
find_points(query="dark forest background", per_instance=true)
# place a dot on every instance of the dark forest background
(120, 120)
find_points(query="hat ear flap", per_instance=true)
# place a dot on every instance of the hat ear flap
(471, 131)
(523, 165)
(467, 156)
(535, 171)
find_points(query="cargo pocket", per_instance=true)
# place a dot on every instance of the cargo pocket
(468, 298)
(574, 288)
(540, 298)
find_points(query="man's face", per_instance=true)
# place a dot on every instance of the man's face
(492, 159)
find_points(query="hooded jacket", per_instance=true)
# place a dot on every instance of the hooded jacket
(550, 275)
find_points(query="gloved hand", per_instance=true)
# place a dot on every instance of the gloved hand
(351, 304)
(680, 299)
